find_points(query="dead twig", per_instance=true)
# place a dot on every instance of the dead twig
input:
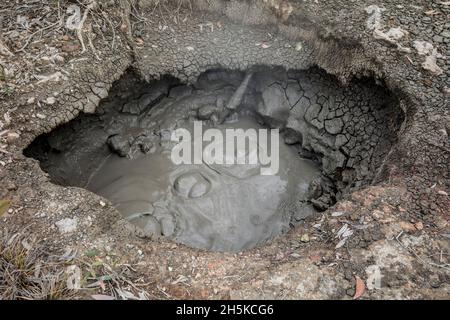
(411, 251)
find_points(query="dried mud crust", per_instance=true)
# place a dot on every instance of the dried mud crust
(393, 236)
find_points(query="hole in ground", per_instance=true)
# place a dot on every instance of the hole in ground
(332, 140)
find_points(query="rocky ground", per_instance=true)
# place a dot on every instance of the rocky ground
(389, 240)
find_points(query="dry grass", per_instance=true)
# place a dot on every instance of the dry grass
(26, 272)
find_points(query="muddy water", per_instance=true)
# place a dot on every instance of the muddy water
(122, 152)
(215, 207)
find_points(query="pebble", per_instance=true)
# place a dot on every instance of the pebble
(304, 238)
(50, 100)
(11, 187)
(445, 34)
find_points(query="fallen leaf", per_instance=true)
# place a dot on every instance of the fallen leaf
(341, 243)
(4, 206)
(360, 288)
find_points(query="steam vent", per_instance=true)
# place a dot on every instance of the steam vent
(194, 149)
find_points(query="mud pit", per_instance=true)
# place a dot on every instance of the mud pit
(122, 152)
(389, 178)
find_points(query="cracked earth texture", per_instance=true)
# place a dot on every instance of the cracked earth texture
(391, 231)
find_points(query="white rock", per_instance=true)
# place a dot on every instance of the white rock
(374, 21)
(67, 225)
(373, 277)
(423, 47)
(430, 63)
(396, 33)
(50, 100)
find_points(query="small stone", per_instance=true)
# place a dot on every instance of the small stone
(418, 225)
(438, 39)
(304, 238)
(348, 274)
(11, 187)
(31, 100)
(11, 137)
(102, 203)
(350, 291)
(205, 112)
(435, 282)
(445, 34)
(41, 116)
(50, 100)
(119, 144)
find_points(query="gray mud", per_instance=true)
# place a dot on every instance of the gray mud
(122, 152)
(216, 207)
